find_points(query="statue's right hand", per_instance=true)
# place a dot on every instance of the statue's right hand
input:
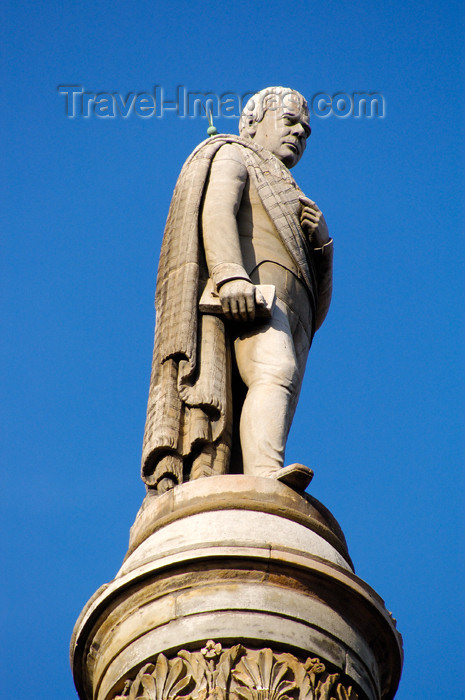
(239, 299)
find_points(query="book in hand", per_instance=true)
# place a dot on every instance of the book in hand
(210, 302)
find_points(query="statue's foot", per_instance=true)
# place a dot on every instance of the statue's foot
(297, 476)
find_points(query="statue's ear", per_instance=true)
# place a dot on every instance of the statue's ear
(250, 128)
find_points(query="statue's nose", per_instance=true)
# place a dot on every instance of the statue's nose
(298, 130)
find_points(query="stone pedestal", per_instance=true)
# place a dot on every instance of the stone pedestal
(236, 588)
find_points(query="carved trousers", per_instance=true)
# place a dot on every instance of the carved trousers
(271, 358)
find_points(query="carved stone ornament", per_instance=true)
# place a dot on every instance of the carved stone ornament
(237, 673)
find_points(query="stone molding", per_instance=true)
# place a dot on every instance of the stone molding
(211, 565)
(236, 491)
(235, 673)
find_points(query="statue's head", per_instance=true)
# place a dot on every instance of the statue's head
(278, 119)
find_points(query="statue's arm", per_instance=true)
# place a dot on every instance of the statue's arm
(228, 177)
(314, 224)
(323, 258)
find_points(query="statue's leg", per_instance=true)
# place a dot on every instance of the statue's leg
(271, 366)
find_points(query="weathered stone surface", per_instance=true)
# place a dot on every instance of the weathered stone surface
(282, 586)
(232, 493)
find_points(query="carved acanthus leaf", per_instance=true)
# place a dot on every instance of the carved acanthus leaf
(261, 676)
(164, 680)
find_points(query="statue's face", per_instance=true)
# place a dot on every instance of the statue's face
(284, 130)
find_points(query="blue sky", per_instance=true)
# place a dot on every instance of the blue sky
(85, 204)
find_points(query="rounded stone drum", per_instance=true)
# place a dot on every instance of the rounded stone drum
(236, 588)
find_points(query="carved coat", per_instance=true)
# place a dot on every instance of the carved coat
(189, 414)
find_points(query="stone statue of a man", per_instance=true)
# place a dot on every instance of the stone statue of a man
(224, 387)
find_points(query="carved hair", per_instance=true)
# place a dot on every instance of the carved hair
(269, 98)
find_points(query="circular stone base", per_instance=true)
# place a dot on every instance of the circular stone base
(242, 561)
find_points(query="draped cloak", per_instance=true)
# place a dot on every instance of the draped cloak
(189, 414)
